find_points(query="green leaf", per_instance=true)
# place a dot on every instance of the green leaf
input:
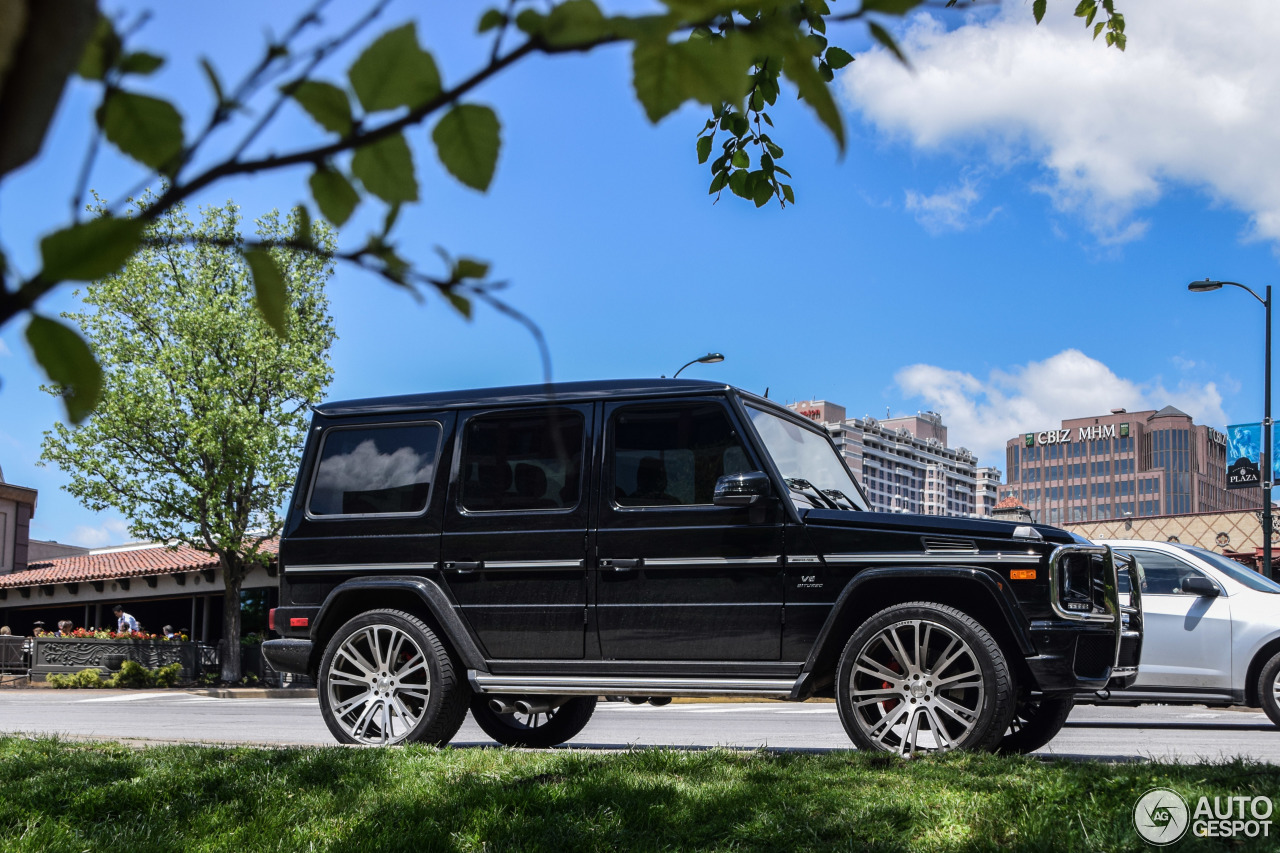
(882, 35)
(89, 251)
(704, 148)
(825, 72)
(1098, 27)
(141, 63)
(741, 159)
(1038, 9)
(761, 189)
(334, 195)
(470, 268)
(530, 22)
(394, 72)
(799, 69)
(491, 19)
(710, 71)
(890, 7)
(324, 102)
(838, 57)
(147, 129)
(574, 22)
(718, 183)
(467, 141)
(69, 363)
(738, 184)
(385, 168)
(101, 53)
(1084, 6)
(459, 302)
(787, 192)
(271, 295)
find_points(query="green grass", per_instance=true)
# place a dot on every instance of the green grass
(68, 796)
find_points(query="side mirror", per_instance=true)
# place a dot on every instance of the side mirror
(1201, 586)
(742, 489)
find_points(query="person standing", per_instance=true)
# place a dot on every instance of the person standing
(124, 622)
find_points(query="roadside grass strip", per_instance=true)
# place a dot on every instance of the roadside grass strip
(76, 796)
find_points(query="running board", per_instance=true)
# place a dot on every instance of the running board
(555, 685)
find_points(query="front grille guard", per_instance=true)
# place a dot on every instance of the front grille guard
(1114, 613)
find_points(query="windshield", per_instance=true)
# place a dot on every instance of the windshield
(808, 462)
(1236, 571)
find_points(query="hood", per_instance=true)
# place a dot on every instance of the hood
(945, 525)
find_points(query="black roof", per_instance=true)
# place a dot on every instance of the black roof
(524, 394)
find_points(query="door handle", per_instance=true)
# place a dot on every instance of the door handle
(463, 567)
(622, 565)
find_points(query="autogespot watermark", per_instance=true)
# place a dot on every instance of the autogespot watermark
(1162, 817)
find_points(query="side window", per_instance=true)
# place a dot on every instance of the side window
(672, 456)
(375, 470)
(522, 461)
(1163, 573)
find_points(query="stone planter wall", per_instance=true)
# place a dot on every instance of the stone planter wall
(65, 655)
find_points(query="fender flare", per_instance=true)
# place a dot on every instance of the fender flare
(428, 592)
(987, 581)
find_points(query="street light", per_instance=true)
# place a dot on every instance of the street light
(1265, 456)
(709, 358)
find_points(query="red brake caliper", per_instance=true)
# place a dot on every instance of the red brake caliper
(890, 704)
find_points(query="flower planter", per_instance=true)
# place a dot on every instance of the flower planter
(72, 654)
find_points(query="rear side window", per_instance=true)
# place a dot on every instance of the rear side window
(522, 461)
(382, 470)
(673, 456)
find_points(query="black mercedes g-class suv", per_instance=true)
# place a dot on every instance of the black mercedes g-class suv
(522, 551)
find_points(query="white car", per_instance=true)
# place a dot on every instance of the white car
(1211, 630)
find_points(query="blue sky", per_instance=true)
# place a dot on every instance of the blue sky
(1006, 239)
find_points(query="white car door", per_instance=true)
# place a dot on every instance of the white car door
(1187, 637)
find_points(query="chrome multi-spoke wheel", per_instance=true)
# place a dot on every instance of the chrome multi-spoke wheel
(535, 721)
(386, 679)
(923, 677)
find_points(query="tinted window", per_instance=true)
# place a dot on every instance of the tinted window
(522, 461)
(375, 470)
(673, 456)
(1163, 573)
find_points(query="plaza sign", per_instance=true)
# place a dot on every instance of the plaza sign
(1089, 433)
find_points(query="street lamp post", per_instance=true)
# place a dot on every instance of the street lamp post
(709, 358)
(1265, 455)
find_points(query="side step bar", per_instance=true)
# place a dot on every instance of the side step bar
(555, 685)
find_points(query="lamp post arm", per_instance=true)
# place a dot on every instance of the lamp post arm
(695, 361)
(1266, 303)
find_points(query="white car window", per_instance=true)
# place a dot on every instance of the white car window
(1164, 572)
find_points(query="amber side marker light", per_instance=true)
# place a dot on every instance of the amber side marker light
(1022, 575)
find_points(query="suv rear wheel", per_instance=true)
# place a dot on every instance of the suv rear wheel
(1269, 688)
(537, 721)
(922, 677)
(386, 678)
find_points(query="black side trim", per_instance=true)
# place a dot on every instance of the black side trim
(288, 655)
(643, 668)
(456, 633)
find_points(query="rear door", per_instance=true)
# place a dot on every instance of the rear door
(677, 577)
(514, 543)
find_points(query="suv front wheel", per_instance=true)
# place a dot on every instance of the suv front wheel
(386, 678)
(923, 677)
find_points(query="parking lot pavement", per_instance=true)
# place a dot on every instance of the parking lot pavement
(1163, 733)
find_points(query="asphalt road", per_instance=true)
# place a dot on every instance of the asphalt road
(1151, 732)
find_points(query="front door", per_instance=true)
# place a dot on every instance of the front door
(1188, 636)
(677, 577)
(514, 543)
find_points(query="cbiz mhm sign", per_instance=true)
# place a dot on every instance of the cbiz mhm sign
(1089, 433)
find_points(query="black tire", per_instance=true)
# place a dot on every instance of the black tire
(1269, 688)
(386, 678)
(538, 731)
(1036, 721)
(954, 680)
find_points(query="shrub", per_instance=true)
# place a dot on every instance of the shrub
(83, 678)
(167, 676)
(132, 674)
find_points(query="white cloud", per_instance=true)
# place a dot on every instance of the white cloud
(110, 532)
(4, 350)
(948, 210)
(1190, 102)
(982, 414)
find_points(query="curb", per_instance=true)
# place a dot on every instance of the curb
(256, 692)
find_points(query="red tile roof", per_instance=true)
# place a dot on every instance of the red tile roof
(118, 564)
(1009, 503)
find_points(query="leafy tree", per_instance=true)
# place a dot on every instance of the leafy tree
(200, 427)
(731, 55)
